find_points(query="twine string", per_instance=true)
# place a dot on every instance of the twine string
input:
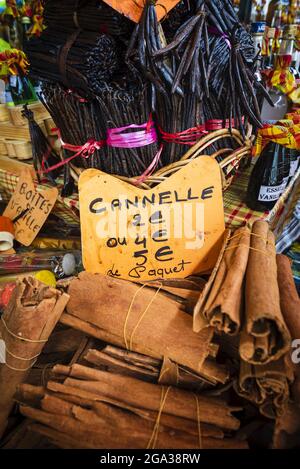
(249, 247)
(155, 432)
(128, 343)
(198, 421)
(24, 339)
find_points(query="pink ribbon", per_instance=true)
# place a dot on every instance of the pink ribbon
(115, 138)
(119, 139)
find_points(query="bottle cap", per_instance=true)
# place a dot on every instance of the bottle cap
(26, 20)
(69, 264)
(258, 27)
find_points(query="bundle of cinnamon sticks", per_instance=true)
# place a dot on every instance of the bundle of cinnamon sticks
(96, 409)
(25, 327)
(243, 298)
(144, 321)
(145, 372)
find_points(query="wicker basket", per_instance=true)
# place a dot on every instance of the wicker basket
(16, 132)
(4, 113)
(39, 110)
(229, 164)
(3, 149)
(19, 149)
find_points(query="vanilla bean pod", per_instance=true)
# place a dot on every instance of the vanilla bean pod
(91, 15)
(82, 60)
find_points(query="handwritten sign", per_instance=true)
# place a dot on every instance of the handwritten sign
(170, 231)
(132, 9)
(38, 203)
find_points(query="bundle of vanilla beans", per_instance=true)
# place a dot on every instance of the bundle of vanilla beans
(205, 71)
(196, 65)
(89, 15)
(118, 104)
(82, 60)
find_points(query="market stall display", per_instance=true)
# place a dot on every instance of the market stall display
(149, 235)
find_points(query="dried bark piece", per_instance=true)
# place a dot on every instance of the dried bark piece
(150, 369)
(26, 324)
(265, 336)
(290, 307)
(143, 395)
(142, 320)
(220, 303)
(267, 386)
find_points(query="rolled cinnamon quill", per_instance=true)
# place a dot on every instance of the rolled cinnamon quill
(267, 386)
(154, 370)
(26, 324)
(138, 319)
(265, 336)
(290, 307)
(220, 303)
(127, 391)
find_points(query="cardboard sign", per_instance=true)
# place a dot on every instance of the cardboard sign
(38, 203)
(170, 231)
(132, 9)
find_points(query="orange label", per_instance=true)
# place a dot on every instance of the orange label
(132, 9)
(170, 231)
(38, 203)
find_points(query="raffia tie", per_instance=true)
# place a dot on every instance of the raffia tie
(128, 343)
(24, 339)
(155, 432)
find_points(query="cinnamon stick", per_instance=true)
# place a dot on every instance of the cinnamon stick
(145, 395)
(26, 324)
(112, 424)
(267, 386)
(142, 320)
(220, 303)
(265, 336)
(290, 307)
(166, 372)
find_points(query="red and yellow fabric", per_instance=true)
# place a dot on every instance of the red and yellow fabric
(37, 7)
(276, 41)
(26, 10)
(13, 61)
(284, 134)
(37, 26)
(11, 8)
(282, 78)
(294, 116)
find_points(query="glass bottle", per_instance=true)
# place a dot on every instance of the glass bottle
(269, 178)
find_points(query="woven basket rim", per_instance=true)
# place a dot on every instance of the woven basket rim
(230, 162)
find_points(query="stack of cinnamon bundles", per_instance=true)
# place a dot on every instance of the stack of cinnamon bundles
(89, 408)
(244, 298)
(146, 326)
(101, 362)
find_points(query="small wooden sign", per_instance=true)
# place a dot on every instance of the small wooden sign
(38, 203)
(170, 231)
(132, 9)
